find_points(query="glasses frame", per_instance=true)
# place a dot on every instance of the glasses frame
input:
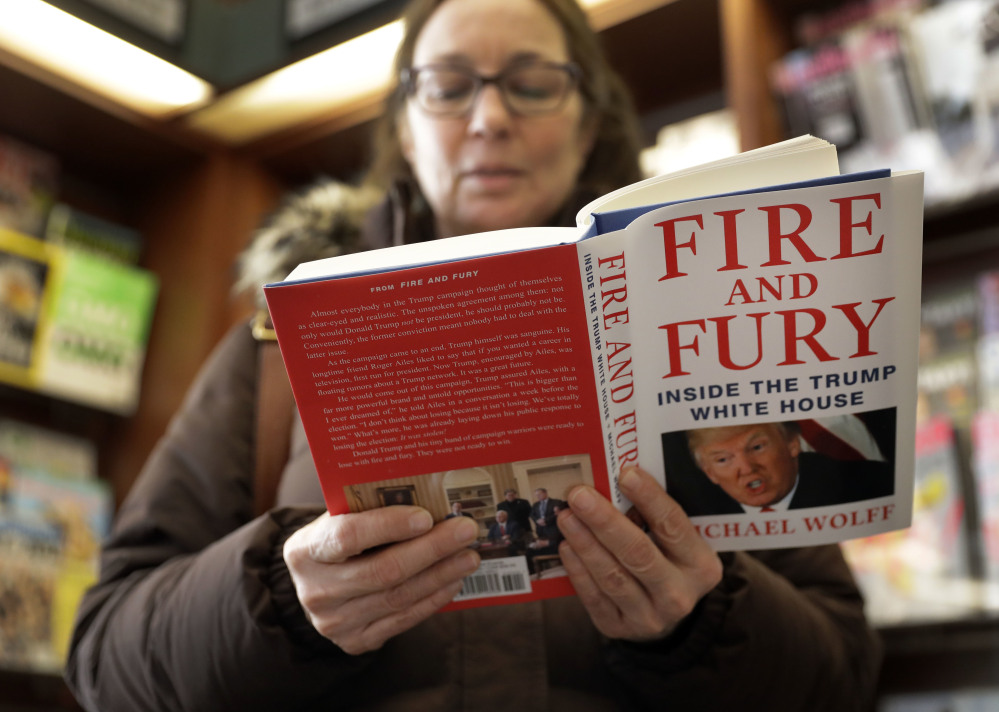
(408, 80)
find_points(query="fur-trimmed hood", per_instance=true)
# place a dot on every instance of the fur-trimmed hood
(324, 220)
(331, 218)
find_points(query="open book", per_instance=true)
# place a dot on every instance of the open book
(755, 350)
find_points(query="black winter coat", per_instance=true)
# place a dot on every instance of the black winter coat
(195, 611)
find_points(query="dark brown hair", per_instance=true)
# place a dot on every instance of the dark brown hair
(612, 163)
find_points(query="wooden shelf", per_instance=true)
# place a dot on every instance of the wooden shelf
(195, 204)
(940, 656)
(35, 692)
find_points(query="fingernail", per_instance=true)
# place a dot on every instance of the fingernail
(629, 478)
(421, 522)
(466, 531)
(468, 562)
(581, 499)
(568, 523)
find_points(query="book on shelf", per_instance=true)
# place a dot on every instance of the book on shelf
(77, 229)
(29, 568)
(817, 93)
(955, 43)
(544, 357)
(985, 446)
(37, 448)
(900, 83)
(78, 515)
(97, 329)
(922, 572)
(987, 331)
(54, 512)
(890, 99)
(29, 180)
(25, 275)
(74, 325)
(949, 342)
(947, 46)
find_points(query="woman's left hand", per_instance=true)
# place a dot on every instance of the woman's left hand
(635, 585)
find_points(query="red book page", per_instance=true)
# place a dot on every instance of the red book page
(447, 383)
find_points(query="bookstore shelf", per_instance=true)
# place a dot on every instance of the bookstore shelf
(195, 201)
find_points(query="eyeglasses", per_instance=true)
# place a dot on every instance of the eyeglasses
(526, 89)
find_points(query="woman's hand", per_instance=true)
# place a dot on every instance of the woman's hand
(358, 595)
(635, 586)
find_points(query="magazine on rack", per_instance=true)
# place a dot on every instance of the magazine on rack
(755, 350)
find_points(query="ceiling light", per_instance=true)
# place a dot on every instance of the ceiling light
(341, 78)
(607, 13)
(98, 61)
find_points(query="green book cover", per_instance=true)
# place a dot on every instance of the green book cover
(94, 344)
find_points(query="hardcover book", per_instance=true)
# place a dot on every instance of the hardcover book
(669, 330)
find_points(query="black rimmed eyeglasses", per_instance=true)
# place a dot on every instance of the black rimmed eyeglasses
(530, 89)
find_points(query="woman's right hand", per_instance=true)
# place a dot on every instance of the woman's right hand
(366, 577)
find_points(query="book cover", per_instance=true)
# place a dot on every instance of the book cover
(79, 513)
(26, 275)
(949, 345)
(947, 45)
(75, 325)
(29, 565)
(534, 359)
(817, 93)
(891, 103)
(985, 446)
(53, 514)
(28, 182)
(987, 332)
(921, 572)
(94, 344)
(70, 227)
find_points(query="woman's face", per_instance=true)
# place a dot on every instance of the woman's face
(491, 169)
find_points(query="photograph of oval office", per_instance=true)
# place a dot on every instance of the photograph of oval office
(487, 493)
(760, 468)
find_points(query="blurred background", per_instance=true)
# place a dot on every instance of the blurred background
(141, 141)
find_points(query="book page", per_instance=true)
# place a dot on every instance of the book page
(797, 159)
(434, 252)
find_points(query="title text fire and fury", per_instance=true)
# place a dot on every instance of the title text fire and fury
(789, 254)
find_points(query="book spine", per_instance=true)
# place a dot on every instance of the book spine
(603, 270)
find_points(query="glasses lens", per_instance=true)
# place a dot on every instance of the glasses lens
(536, 89)
(444, 91)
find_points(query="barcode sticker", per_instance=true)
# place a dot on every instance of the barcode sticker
(497, 577)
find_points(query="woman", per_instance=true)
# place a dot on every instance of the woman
(506, 115)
